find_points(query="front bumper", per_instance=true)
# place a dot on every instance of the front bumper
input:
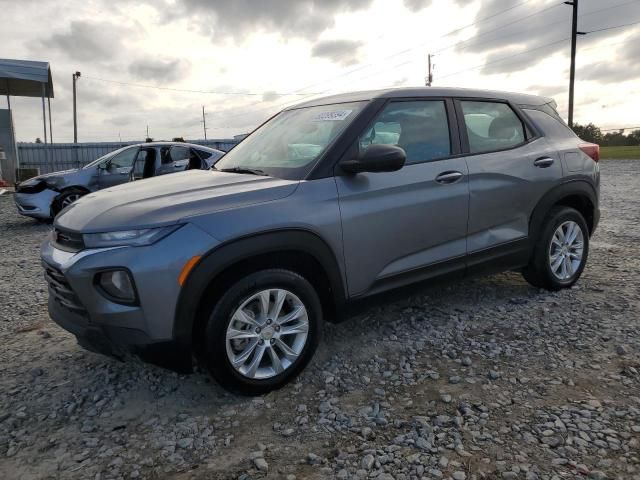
(35, 205)
(104, 326)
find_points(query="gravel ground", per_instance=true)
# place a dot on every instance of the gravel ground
(488, 378)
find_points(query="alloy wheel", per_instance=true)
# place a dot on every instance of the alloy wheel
(69, 199)
(267, 333)
(566, 250)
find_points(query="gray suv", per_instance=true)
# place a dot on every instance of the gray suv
(44, 196)
(329, 202)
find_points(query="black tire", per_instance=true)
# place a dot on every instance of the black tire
(213, 351)
(58, 203)
(539, 272)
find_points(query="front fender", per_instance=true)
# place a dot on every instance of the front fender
(231, 252)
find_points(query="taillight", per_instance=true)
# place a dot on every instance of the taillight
(591, 149)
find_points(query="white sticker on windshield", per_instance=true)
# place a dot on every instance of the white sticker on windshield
(335, 116)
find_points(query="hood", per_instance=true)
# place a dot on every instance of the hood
(44, 176)
(168, 199)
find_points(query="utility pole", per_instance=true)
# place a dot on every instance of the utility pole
(75, 77)
(147, 131)
(50, 124)
(204, 123)
(572, 70)
(430, 74)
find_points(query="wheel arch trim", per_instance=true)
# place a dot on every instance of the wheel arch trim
(229, 253)
(553, 197)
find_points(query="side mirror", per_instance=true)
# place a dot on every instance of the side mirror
(377, 158)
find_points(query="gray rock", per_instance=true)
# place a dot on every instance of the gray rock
(459, 475)
(261, 464)
(185, 442)
(622, 350)
(367, 462)
(597, 475)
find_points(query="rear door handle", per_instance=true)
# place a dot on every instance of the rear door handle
(449, 177)
(543, 162)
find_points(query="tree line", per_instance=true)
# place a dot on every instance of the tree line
(591, 133)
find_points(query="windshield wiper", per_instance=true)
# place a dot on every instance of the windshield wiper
(252, 171)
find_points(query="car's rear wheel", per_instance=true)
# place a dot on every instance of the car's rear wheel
(65, 199)
(262, 332)
(560, 255)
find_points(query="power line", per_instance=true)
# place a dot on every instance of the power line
(520, 32)
(501, 27)
(212, 92)
(614, 27)
(370, 64)
(618, 129)
(401, 52)
(533, 49)
(505, 58)
(487, 18)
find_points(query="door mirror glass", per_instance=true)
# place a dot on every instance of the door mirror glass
(377, 158)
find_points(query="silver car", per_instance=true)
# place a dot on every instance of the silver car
(44, 196)
(327, 204)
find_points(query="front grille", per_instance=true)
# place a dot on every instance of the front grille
(69, 241)
(61, 291)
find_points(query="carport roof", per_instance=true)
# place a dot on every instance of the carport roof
(24, 78)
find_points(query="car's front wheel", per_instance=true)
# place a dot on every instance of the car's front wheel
(66, 198)
(560, 255)
(262, 331)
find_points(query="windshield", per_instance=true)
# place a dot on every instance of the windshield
(289, 144)
(104, 158)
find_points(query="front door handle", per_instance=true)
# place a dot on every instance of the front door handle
(543, 162)
(449, 177)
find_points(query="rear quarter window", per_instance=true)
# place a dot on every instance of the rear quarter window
(549, 125)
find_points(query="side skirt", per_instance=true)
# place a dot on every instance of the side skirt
(508, 256)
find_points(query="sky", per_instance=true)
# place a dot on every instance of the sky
(156, 63)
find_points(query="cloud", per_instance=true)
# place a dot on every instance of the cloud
(88, 41)
(400, 82)
(160, 71)
(343, 52)
(270, 96)
(622, 67)
(550, 91)
(529, 29)
(417, 5)
(236, 19)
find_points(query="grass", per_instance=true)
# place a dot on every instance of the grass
(613, 153)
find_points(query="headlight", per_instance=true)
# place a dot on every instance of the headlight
(33, 185)
(128, 238)
(117, 285)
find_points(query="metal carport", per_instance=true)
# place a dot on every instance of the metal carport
(27, 78)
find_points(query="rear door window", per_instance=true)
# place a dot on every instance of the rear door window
(491, 126)
(180, 153)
